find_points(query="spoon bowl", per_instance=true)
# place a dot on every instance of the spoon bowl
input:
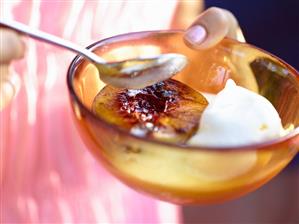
(141, 72)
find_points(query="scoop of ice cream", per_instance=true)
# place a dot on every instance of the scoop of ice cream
(237, 116)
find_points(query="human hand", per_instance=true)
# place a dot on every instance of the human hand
(210, 27)
(11, 47)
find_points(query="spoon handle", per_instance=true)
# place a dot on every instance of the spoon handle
(49, 38)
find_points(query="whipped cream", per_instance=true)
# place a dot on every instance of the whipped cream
(237, 116)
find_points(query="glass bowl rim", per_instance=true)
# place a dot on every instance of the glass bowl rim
(78, 59)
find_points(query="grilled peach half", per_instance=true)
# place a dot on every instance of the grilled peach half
(168, 111)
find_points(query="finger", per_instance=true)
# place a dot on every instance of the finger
(11, 45)
(9, 84)
(211, 27)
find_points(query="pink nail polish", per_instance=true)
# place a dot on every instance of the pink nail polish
(196, 34)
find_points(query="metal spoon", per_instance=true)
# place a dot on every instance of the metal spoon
(132, 73)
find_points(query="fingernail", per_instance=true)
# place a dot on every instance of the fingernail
(196, 34)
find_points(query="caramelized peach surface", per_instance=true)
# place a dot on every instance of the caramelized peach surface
(168, 110)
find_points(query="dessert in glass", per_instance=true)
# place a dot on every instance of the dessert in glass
(146, 137)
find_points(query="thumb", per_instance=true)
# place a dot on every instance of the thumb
(211, 27)
(11, 45)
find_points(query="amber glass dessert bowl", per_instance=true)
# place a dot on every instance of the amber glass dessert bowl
(180, 173)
